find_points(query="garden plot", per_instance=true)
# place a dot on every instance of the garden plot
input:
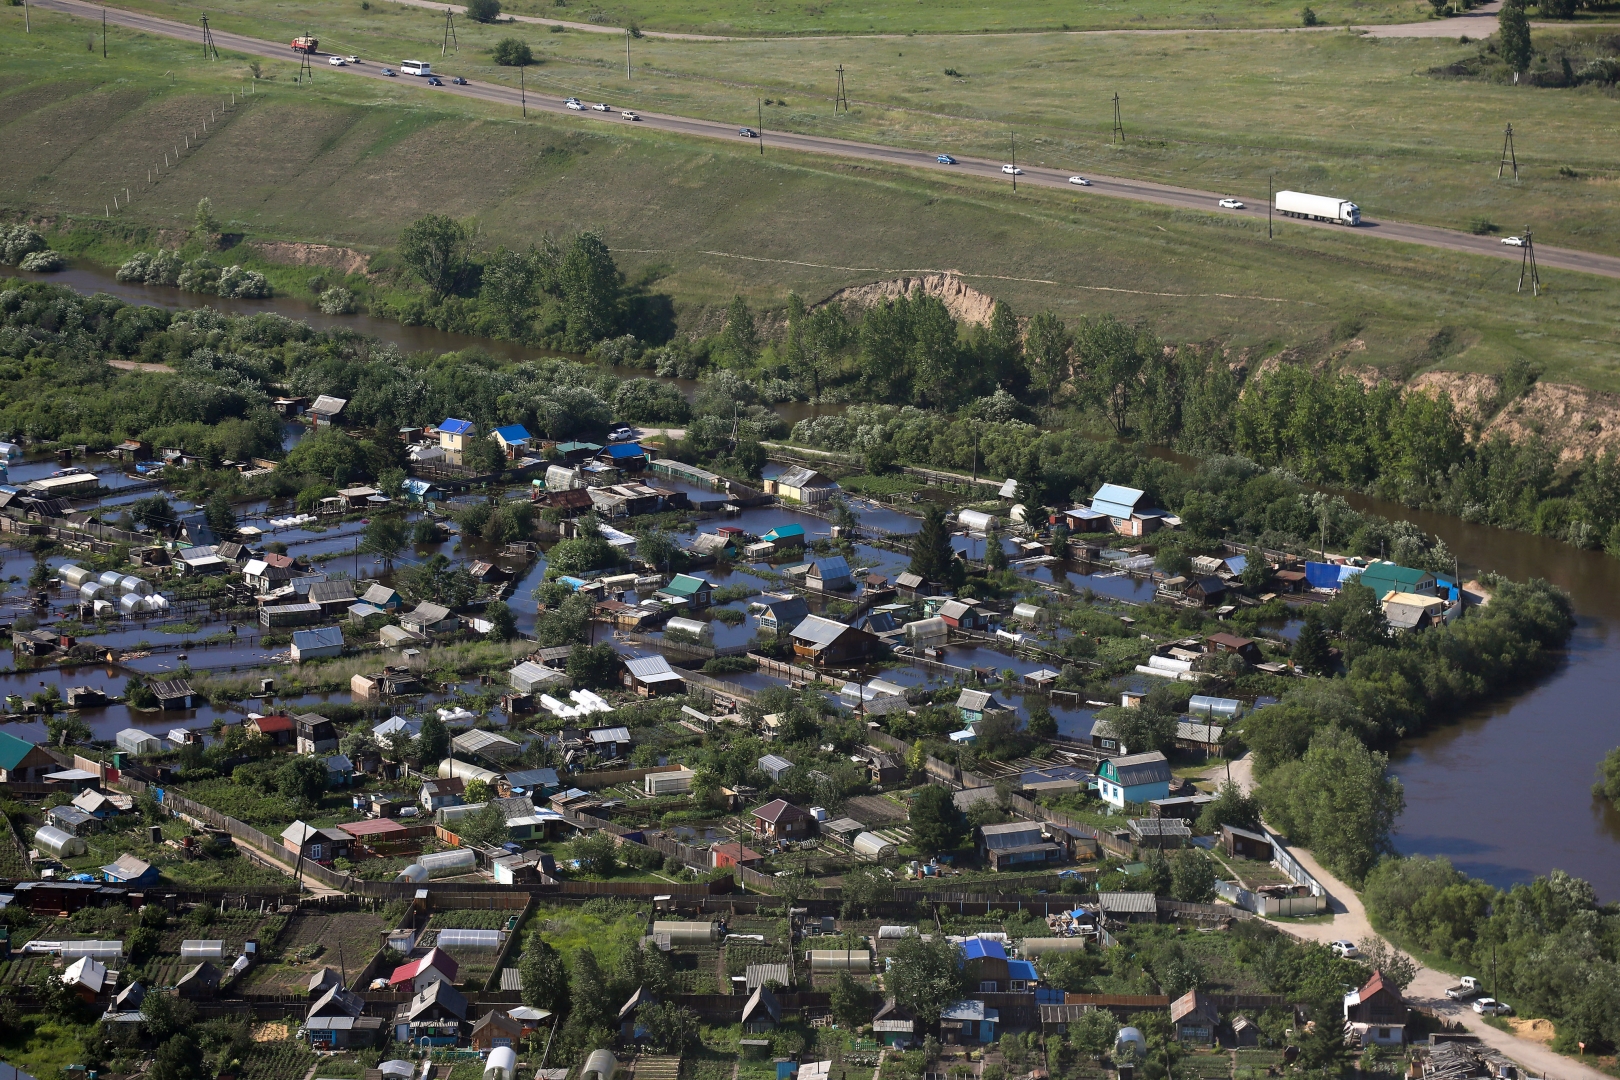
(473, 965)
(341, 940)
(234, 928)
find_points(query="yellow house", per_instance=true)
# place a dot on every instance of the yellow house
(453, 434)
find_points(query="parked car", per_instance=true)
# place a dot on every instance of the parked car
(602, 106)
(1231, 204)
(433, 80)
(390, 72)
(1513, 241)
(748, 133)
(1492, 1007)
(945, 159)
(575, 104)
(1079, 181)
(1012, 170)
(336, 61)
(459, 81)
(1468, 988)
(1346, 949)
(621, 434)
(629, 115)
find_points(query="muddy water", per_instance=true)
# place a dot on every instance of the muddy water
(1504, 793)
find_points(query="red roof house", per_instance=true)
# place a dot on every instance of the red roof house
(781, 820)
(1376, 1013)
(435, 966)
(730, 855)
(280, 729)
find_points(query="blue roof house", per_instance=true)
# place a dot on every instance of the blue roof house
(786, 536)
(1022, 977)
(829, 575)
(968, 1022)
(453, 434)
(513, 438)
(626, 455)
(1129, 509)
(984, 962)
(320, 644)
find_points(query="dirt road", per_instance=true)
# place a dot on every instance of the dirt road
(1549, 258)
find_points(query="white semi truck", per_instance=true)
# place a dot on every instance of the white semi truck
(1317, 208)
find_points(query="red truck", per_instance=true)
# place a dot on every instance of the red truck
(305, 45)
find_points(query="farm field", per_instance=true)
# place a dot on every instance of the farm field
(1331, 112)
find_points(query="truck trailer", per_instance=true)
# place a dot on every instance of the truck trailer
(305, 45)
(1317, 208)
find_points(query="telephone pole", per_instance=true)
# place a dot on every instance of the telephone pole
(208, 41)
(28, 24)
(840, 98)
(1509, 156)
(449, 33)
(1119, 126)
(760, 107)
(627, 52)
(523, 91)
(1271, 199)
(104, 33)
(306, 70)
(1012, 141)
(1528, 263)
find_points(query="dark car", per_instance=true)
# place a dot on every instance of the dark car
(390, 72)
(945, 159)
(433, 80)
(748, 133)
(459, 81)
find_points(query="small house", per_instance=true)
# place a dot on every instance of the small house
(628, 456)
(781, 613)
(650, 676)
(128, 870)
(830, 574)
(454, 435)
(172, 693)
(430, 618)
(495, 1028)
(801, 485)
(728, 855)
(513, 439)
(86, 977)
(434, 1017)
(327, 410)
(334, 597)
(437, 794)
(381, 596)
(968, 1022)
(419, 974)
(339, 770)
(1128, 509)
(963, 615)
(1245, 1032)
(527, 868)
(22, 761)
(1384, 578)
(316, 734)
(1241, 843)
(1233, 645)
(827, 641)
(70, 819)
(316, 845)
(984, 964)
(1017, 845)
(762, 1013)
(910, 584)
(1135, 778)
(1376, 1014)
(974, 705)
(609, 742)
(1205, 590)
(265, 575)
(97, 804)
(201, 983)
(713, 545)
(781, 820)
(1413, 611)
(894, 1025)
(695, 592)
(321, 644)
(785, 537)
(1194, 1017)
(280, 729)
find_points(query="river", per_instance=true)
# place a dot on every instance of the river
(1504, 792)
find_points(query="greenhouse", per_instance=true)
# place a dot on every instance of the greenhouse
(196, 950)
(58, 844)
(96, 950)
(459, 859)
(469, 939)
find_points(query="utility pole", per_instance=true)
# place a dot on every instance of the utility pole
(1119, 126)
(627, 52)
(104, 33)
(1528, 262)
(208, 41)
(28, 24)
(760, 107)
(1012, 142)
(449, 33)
(1509, 156)
(841, 98)
(1271, 199)
(523, 92)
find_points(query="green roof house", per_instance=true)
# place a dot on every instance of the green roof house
(1386, 577)
(694, 590)
(22, 761)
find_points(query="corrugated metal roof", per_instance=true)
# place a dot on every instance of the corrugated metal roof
(453, 426)
(321, 638)
(651, 669)
(1116, 500)
(1128, 903)
(1012, 834)
(819, 631)
(802, 478)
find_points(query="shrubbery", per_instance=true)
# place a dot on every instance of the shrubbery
(199, 275)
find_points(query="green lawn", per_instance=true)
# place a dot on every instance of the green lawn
(42, 1047)
(352, 162)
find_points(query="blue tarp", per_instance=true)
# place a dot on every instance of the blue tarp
(1321, 575)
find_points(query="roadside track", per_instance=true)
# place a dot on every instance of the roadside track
(1430, 236)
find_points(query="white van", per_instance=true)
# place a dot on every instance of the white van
(416, 67)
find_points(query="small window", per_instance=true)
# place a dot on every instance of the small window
(987, 986)
(1383, 1033)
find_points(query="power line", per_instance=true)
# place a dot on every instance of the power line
(1508, 155)
(449, 32)
(208, 40)
(840, 98)
(1527, 262)
(1119, 127)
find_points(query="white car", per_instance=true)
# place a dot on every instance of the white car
(1231, 204)
(1513, 241)
(574, 103)
(336, 61)
(1079, 181)
(1346, 949)
(629, 115)
(351, 59)
(601, 106)
(1012, 170)
(1492, 1007)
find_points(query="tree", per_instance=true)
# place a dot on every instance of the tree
(302, 780)
(1094, 1033)
(219, 515)
(927, 976)
(1337, 801)
(1192, 877)
(434, 248)
(485, 828)
(1004, 351)
(670, 1027)
(476, 791)
(67, 730)
(1109, 356)
(593, 666)
(738, 343)
(167, 1015)
(936, 823)
(1042, 724)
(1310, 651)
(1046, 351)
(433, 741)
(995, 556)
(851, 1005)
(597, 853)
(385, 537)
(864, 889)
(206, 222)
(545, 977)
(484, 456)
(1257, 571)
(1156, 876)
(502, 623)
(932, 557)
(1232, 806)
(513, 52)
(1608, 784)
(178, 1059)
(589, 284)
(1513, 30)
(1397, 967)
(484, 11)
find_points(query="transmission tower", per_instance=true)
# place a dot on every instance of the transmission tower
(1119, 127)
(1509, 157)
(306, 70)
(842, 98)
(1528, 264)
(208, 41)
(450, 41)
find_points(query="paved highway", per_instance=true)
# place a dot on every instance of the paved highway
(1548, 258)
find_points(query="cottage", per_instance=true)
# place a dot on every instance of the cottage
(828, 575)
(71, 820)
(128, 870)
(780, 613)
(1387, 577)
(1083, 519)
(429, 618)
(963, 614)
(609, 742)
(317, 845)
(172, 693)
(528, 868)
(381, 596)
(1128, 510)
(974, 705)
(334, 597)
(827, 641)
(1128, 906)
(894, 1025)
(910, 584)
(774, 767)
(801, 485)
(1375, 1014)
(22, 761)
(1231, 644)
(395, 637)
(280, 729)
(420, 973)
(781, 820)
(629, 457)
(454, 435)
(1241, 843)
(969, 1021)
(433, 1017)
(1194, 1017)
(327, 410)
(762, 1013)
(650, 676)
(100, 805)
(316, 734)
(200, 983)
(1204, 590)
(339, 770)
(785, 537)
(713, 545)
(1412, 611)
(513, 440)
(86, 977)
(437, 794)
(495, 1028)
(984, 964)
(728, 855)
(321, 644)
(1016, 845)
(1135, 778)
(266, 574)
(693, 591)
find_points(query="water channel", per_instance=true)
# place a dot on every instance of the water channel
(1503, 792)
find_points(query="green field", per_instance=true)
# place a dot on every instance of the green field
(351, 162)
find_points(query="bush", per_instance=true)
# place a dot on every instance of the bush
(483, 10)
(336, 301)
(17, 242)
(513, 52)
(237, 282)
(44, 262)
(1308, 17)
